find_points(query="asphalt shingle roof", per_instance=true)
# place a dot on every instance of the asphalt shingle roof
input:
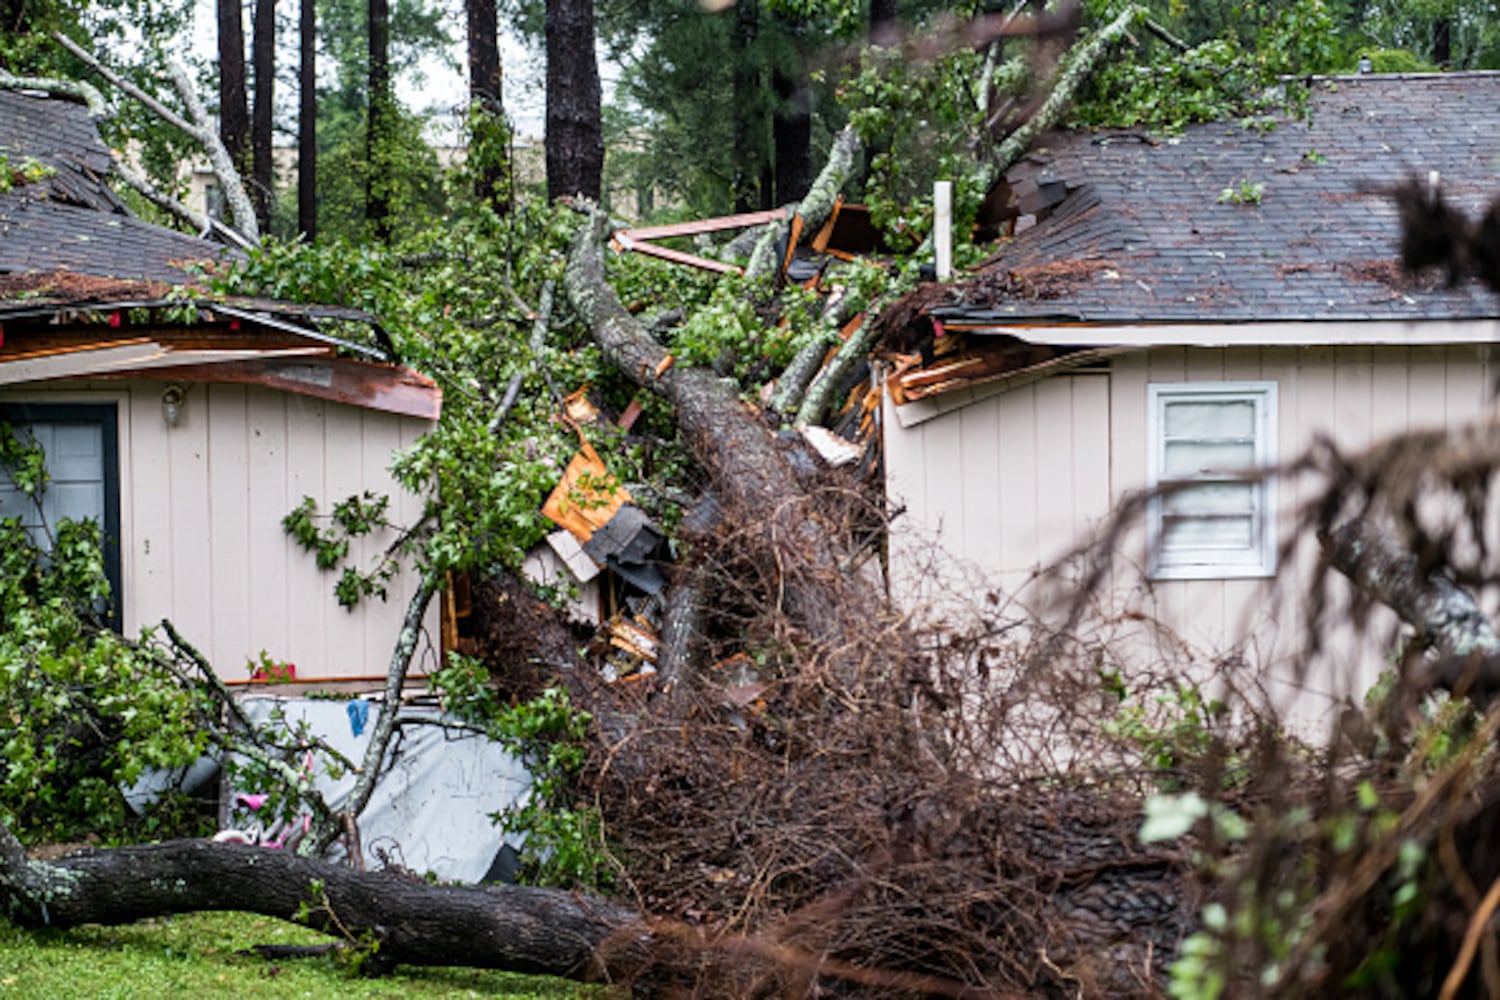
(1141, 235)
(60, 134)
(71, 220)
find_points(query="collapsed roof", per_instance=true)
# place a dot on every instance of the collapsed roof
(1276, 219)
(89, 290)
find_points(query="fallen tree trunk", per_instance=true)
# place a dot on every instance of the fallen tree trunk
(519, 929)
(750, 474)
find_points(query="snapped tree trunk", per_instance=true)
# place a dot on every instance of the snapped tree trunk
(751, 476)
(515, 928)
(575, 136)
(307, 122)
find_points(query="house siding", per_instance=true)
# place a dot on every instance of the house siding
(201, 505)
(1010, 483)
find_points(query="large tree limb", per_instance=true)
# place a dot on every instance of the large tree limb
(501, 927)
(754, 481)
(87, 93)
(1081, 65)
(815, 207)
(1445, 616)
(201, 128)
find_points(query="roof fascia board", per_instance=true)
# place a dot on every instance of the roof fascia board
(387, 388)
(1309, 333)
(92, 361)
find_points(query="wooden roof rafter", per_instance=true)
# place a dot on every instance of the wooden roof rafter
(640, 240)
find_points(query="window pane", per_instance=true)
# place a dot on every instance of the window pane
(1210, 419)
(1223, 499)
(1186, 459)
(1221, 533)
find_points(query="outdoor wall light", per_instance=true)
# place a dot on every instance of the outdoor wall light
(172, 398)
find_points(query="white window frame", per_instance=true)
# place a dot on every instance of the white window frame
(1186, 563)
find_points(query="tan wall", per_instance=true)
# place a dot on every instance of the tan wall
(201, 505)
(1010, 482)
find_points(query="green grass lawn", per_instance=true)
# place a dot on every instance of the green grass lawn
(194, 956)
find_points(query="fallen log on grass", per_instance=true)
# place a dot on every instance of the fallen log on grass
(398, 918)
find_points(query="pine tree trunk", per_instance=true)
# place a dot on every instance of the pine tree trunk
(791, 128)
(491, 182)
(377, 186)
(749, 125)
(263, 172)
(575, 137)
(307, 123)
(234, 114)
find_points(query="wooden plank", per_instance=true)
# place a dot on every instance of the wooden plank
(309, 590)
(678, 257)
(820, 241)
(794, 234)
(345, 650)
(191, 528)
(147, 563)
(715, 225)
(71, 364)
(581, 503)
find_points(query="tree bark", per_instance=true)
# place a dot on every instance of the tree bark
(1446, 617)
(307, 121)
(264, 52)
(749, 122)
(234, 114)
(515, 928)
(750, 475)
(575, 136)
(377, 136)
(791, 134)
(485, 106)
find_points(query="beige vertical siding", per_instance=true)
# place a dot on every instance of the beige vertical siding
(998, 489)
(1008, 483)
(201, 505)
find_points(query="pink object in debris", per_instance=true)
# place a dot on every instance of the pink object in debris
(251, 800)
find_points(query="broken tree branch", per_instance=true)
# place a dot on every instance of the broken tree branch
(1445, 616)
(200, 128)
(748, 473)
(815, 207)
(324, 833)
(159, 198)
(820, 393)
(1080, 66)
(77, 89)
(541, 317)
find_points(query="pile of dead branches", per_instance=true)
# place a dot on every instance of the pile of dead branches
(795, 813)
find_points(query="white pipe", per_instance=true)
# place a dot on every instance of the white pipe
(942, 228)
